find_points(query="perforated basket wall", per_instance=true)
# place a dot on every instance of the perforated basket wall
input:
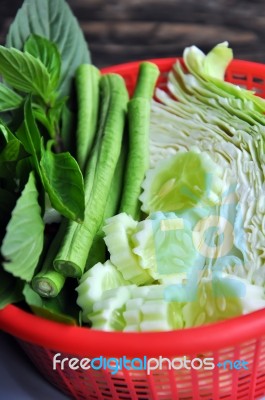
(165, 384)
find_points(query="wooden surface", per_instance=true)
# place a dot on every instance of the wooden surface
(125, 30)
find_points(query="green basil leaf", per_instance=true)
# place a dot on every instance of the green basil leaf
(23, 169)
(50, 119)
(55, 112)
(10, 289)
(9, 100)
(23, 242)
(68, 125)
(63, 181)
(6, 132)
(26, 73)
(28, 134)
(6, 118)
(47, 53)
(40, 116)
(11, 153)
(54, 20)
(53, 309)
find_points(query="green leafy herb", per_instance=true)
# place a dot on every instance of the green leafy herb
(6, 132)
(23, 241)
(59, 173)
(44, 47)
(26, 73)
(47, 53)
(29, 135)
(9, 100)
(54, 21)
(10, 151)
(63, 182)
(68, 124)
(23, 169)
(9, 156)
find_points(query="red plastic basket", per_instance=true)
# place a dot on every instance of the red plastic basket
(234, 339)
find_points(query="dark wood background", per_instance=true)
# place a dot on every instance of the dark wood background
(125, 30)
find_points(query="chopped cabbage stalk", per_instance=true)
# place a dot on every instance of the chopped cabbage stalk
(164, 244)
(107, 312)
(181, 182)
(118, 238)
(139, 309)
(94, 282)
(213, 64)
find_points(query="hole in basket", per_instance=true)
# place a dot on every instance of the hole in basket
(239, 77)
(260, 386)
(120, 386)
(117, 378)
(140, 387)
(258, 80)
(142, 392)
(205, 396)
(106, 395)
(123, 392)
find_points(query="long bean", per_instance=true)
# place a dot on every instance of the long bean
(72, 256)
(98, 249)
(48, 282)
(146, 80)
(139, 120)
(87, 79)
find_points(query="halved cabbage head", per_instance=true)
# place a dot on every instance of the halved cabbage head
(226, 123)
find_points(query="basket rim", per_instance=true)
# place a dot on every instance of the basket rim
(83, 341)
(244, 65)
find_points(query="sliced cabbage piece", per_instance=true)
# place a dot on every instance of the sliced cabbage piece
(137, 309)
(107, 312)
(94, 282)
(222, 296)
(213, 64)
(181, 182)
(164, 244)
(210, 69)
(118, 238)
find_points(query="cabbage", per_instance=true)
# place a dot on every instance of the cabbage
(226, 123)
